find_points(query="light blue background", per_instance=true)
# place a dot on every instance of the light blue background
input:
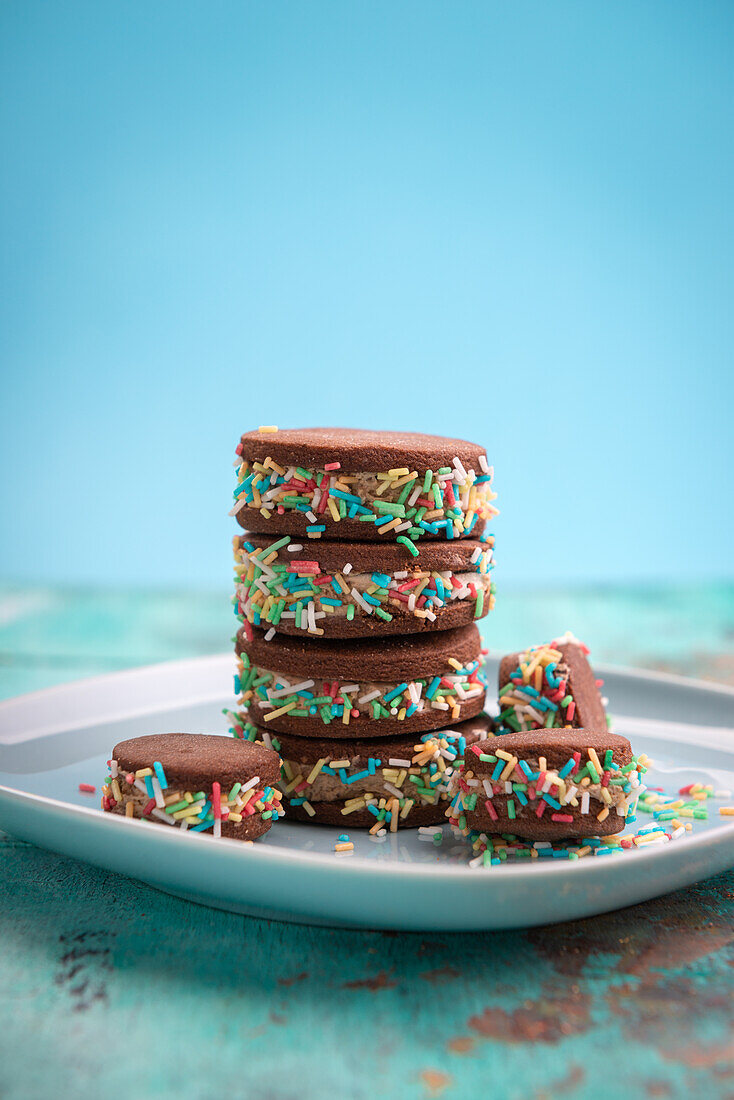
(510, 222)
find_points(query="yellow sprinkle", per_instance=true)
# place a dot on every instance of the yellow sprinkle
(281, 710)
(116, 791)
(346, 847)
(398, 473)
(315, 770)
(142, 772)
(455, 664)
(129, 809)
(308, 808)
(603, 814)
(268, 428)
(726, 811)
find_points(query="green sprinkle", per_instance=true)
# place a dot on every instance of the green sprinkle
(427, 480)
(409, 545)
(479, 606)
(511, 809)
(350, 612)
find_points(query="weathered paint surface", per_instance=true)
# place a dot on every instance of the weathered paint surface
(111, 987)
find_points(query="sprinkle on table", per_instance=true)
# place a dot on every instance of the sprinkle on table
(87, 788)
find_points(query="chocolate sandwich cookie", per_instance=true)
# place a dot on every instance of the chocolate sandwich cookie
(376, 782)
(355, 589)
(550, 686)
(348, 483)
(548, 784)
(361, 688)
(196, 781)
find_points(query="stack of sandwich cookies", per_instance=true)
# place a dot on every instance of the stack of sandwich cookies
(197, 782)
(376, 783)
(352, 590)
(547, 785)
(364, 485)
(362, 688)
(550, 686)
(364, 565)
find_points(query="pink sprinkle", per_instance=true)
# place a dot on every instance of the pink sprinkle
(217, 801)
(354, 713)
(561, 817)
(248, 630)
(491, 810)
(304, 567)
(87, 788)
(333, 466)
(238, 449)
(571, 710)
(541, 809)
(476, 749)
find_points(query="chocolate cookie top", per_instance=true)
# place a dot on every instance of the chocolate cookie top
(394, 659)
(357, 449)
(311, 749)
(556, 745)
(198, 759)
(454, 555)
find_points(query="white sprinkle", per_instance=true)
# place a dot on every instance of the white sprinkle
(113, 769)
(217, 830)
(394, 790)
(487, 787)
(402, 527)
(311, 516)
(255, 779)
(238, 506)
(459, 467)
(585, 802)
(401, 575)
(680, 831)
(483, 464)
(362, 603)
(168, 818)
(370, 696)
(722, 794)
(311, 620)
(290, 689)
(396, 762)
(270, 634)
(347, 689)
(184, 824)
(159, 799)
(295, 547)
(347, 568)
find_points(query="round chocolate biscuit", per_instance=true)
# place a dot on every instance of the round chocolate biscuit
(386, 678)
(547, 754)
(325, 774)
(334, 577)
(305, 455)
(358, 450)
(389, 660)
(186, 762)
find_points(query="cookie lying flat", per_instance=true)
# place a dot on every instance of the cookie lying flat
(197, 782)
(549, 686)
(374, 782)
(361, 688)
(348, 483)
(356, 589)
(548, 784)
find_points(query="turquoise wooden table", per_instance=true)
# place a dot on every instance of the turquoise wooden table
(108, 985)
